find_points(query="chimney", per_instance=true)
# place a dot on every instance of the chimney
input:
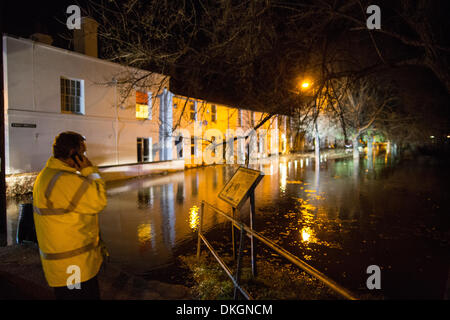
(85, 39)
(41, 37)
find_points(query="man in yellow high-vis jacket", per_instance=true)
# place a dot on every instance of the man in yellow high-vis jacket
(67, 196)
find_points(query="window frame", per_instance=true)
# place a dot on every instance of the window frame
(213, 113)
(148, 105)
(69, 96)
(144, 144)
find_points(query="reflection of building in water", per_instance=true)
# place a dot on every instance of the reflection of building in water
(194, 184)
(145, 198)
(225, 170)
(283, 176)
(180, 193)
(167, 210)
(215, 177)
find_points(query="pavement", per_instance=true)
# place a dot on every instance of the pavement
(22, 278)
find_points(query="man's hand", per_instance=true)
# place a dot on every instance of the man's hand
(82, 162)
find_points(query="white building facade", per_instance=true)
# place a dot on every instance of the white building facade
(49, 90)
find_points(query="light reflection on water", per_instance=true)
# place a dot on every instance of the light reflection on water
(194, 219)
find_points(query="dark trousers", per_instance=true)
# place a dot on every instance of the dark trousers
(89, 291)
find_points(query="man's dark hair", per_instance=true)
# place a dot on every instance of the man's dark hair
(65, 142)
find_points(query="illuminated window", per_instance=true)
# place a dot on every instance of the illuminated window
(143, 105)
(72, 96)
(213, 113)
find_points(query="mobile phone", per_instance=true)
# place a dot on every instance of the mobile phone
(76, 157)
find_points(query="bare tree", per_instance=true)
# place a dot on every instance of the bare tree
(364, 104)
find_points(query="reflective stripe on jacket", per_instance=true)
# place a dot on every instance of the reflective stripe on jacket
(66, 204)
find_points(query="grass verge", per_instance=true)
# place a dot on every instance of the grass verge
(273, 282)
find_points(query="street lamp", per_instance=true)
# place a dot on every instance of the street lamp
(305, 85)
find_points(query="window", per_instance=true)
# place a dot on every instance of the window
(213, 113)
(72, 96)
(144, 149)
(193, 112)
(143, 105)
(193, 146)
(239, 118)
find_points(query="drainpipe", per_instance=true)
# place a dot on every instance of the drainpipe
(116, 133)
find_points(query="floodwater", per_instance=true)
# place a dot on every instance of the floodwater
(339, 219)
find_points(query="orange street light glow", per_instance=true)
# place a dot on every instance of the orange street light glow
(305, 85)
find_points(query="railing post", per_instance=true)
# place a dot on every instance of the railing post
(239, 262)
(200, 223)
(233, 240)
(252, 246)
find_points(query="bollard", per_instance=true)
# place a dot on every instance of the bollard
(25, 227)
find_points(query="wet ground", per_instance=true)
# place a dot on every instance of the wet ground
(340, 219)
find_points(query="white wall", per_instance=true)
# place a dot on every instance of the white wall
(32, 73)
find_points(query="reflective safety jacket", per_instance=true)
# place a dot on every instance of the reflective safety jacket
(66, 206)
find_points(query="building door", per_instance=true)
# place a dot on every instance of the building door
(144, 149)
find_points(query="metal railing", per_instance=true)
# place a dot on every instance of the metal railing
(335, 287)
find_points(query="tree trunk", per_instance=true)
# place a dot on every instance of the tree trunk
(370, 157)
(316, 145)
(370, 147)
(355, 148)
(393, 148)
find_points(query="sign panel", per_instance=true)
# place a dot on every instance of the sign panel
(238, 188)
(23, 125)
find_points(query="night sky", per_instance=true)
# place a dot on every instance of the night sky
(48, 17)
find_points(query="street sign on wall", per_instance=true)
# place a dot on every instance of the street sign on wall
(23, 125)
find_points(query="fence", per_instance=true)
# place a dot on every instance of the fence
(282, 252)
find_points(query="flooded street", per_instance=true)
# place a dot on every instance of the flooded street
(340, 220)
